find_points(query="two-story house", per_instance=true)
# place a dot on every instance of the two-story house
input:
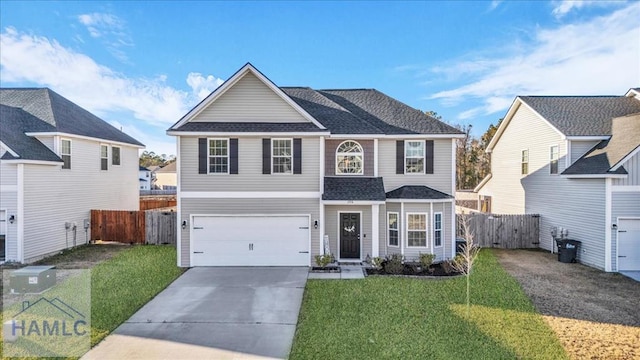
(575, 161)
(272, 175)
(144, 176)
(57, 162)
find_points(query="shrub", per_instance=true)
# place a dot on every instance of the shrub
(376, 262)
(323, 260)
(447, 267)
(426, 260)
(393, 264)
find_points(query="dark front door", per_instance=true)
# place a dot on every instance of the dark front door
(350, 236)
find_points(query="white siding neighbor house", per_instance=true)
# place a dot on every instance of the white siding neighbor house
(145, 178)
(575, 161)
(57, 162)
(272, 175)
(166, 178)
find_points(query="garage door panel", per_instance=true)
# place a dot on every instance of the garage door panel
(250, 240)
(629, 244)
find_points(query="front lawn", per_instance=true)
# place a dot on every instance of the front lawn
(402, 318)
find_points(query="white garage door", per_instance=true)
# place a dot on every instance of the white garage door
(628, 244)
(250, 240)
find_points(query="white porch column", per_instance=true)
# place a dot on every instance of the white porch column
(375, 231)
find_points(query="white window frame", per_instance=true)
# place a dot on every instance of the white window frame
(119, 155)
(64, 154)
(389, 229)
(423, 157)
(104, 146)
(290, 172)
(209, 156)
(522, 162)
(436, 229)
(361, 154)
(425, 230)
(557, 159)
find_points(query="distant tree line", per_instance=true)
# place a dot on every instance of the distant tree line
(150, 158)
(473, 162)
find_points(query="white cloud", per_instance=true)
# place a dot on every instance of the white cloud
(44, 62)
(494, 4)
(563, 7)
(203, 85)
(158, 144)
(599, 56)
(111, 30)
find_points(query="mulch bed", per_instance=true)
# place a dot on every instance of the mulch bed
(414, 269)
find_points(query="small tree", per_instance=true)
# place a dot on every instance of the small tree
(463, 262)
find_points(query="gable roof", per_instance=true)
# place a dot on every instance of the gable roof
(605, 156)
(171, 168)
(346, 111)
(61, 114)
(417, 192)
(13, 122)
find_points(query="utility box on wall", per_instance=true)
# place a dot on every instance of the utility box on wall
(32, 279)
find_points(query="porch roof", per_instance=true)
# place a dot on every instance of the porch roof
(417, 192)
(355, 188)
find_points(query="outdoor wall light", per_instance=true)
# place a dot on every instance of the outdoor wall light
(315, 224)
(184, 224)
(614, 226)
(12, 219)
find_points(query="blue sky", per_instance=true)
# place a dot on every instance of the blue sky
(142, 65)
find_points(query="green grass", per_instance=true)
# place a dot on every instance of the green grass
(401, 318)
(122, 285)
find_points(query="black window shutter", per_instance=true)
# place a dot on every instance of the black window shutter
(428, 157)
(297, 156)
(400, 157)
(266, 156)
(202, 156)
(233, 156)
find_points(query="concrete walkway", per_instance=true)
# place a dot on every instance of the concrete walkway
(214, 313)
(346, 272)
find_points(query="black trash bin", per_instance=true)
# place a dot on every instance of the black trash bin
(567, 250)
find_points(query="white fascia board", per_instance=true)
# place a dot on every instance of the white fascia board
(32, 162)
(483, 183)
(626, 158)
(106, 141)
(352, 202)
(420, 200)
(589, 138)
(13, 153)
(231, 82)
(595, 176)
(250, 194)
(240, 134)
(424, 136)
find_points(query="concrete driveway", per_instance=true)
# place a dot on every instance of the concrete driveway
(214, 313)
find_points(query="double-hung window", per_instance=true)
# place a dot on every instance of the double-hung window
(392, 225)
(416, 230)
(553, 159)
(281, 156)
(115, 155)
(65, 153)
(437, 229)
(524, 162)
(218, 156)
(414, 157)
(104, 157)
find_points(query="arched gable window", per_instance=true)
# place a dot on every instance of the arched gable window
(349, 158)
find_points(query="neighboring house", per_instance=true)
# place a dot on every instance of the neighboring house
(272, 175)
(144, 175)
(57, 162)
(574, 160)
(166, 178)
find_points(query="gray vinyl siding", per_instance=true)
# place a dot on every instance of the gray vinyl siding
(250, 176)
(330, 147)
(392, 207)
(9, 202)
(53, 196)
(332, 223)
(441, 252)
(47, 141)
(439, 180)
(507, 185)
(247, 206)
(633, 169)
(623, 204)
(249, 100)
(579, 148)
(8, 173)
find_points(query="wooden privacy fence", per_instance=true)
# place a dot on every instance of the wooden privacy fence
(153, 203)
(502, 231)
(134, 227)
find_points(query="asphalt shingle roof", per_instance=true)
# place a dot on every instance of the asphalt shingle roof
(582, 115)
(353, 188)
(417, 192)
(63, 115)
(625, 138)
(14, 122)
(248, 127)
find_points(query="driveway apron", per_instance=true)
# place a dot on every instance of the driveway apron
(214, 313)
